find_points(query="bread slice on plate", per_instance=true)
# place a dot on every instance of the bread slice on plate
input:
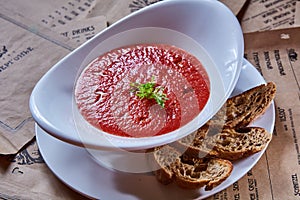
(234, 144)
(197, 173)
(163, 159)
(231, 144)
(190, 173)
(194, 145)
(242, 109)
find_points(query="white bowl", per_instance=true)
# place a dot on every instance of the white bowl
(202, 24)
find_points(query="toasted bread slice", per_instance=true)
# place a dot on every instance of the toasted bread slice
(207, 173)
(163, 159)
(191, 173)
(231, 144)
(243, 109)
(194, 144)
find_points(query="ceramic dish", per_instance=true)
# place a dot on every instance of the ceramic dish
(75, 167)
(207, 22)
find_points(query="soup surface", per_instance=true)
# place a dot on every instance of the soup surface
(106, 98)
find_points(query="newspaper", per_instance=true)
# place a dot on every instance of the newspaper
(22, 64)
(80, 31)
(262, 15)
(297, 14)
(32, 44)
(234, 6)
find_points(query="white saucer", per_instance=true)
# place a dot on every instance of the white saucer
(77, 169)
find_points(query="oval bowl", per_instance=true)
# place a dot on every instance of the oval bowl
(208, 23)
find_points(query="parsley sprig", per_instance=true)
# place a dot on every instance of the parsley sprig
(149, 90)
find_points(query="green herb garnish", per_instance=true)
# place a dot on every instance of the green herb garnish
(149, 90)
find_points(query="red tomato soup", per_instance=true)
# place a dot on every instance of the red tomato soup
(106, 99)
